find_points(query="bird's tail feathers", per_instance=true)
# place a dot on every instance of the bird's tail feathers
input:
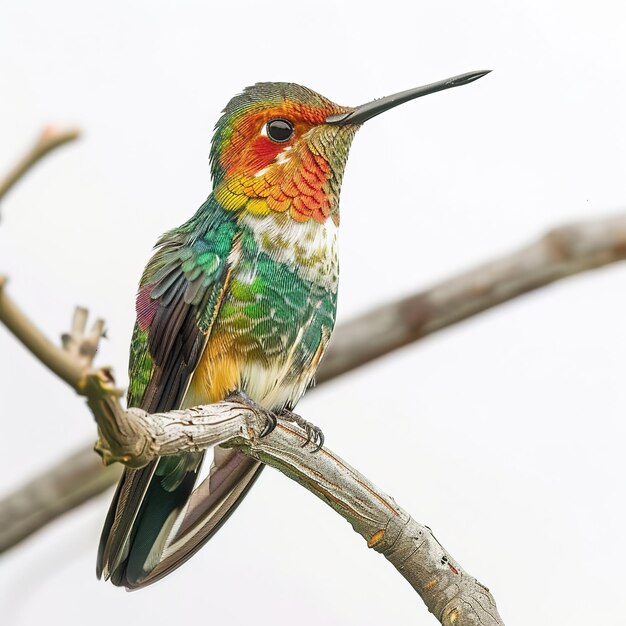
(174, 520)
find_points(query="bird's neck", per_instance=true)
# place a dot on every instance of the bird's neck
(308, 248)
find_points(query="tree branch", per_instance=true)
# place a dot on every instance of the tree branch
(135, 438)
(50, 139)
(79, 477)
(72, 361)
(562, 252)
(60, 489)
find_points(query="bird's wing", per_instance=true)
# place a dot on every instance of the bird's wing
(180, 293)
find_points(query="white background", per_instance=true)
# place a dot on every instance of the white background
(512, 424)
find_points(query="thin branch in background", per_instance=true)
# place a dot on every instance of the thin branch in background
(563, 251)
(50, 139)
(60, 489)
(81, 476)
(74, 359)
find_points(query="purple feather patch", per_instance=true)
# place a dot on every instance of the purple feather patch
(146, 307)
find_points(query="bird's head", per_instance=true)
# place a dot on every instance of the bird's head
(281, 147)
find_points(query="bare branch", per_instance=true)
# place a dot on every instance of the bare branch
(50, 139)
(562, 252)
(61, 488)
(79, 477)
(74, 360)
(135, 438)
(70, 363)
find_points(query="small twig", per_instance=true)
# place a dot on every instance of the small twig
(75, 359)
(50, 139)
(135, 438)
(71, 363)
(79, 344)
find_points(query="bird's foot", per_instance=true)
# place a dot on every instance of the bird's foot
(314, 434)
(270, 417)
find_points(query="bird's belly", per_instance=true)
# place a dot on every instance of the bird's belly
(275, 382)
(266, 344)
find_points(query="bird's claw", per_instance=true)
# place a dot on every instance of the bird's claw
(314, 434)
(245, 399)
(270, 423)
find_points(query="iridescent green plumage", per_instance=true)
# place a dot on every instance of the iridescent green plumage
(212, 288)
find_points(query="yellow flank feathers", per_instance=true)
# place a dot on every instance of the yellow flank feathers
(218, 373)
(229, 200)
(258, 206)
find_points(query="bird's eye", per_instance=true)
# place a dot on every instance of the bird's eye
(279, 130)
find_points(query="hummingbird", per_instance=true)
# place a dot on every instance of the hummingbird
(238, 301)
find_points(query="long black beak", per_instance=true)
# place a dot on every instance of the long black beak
(371, 109)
